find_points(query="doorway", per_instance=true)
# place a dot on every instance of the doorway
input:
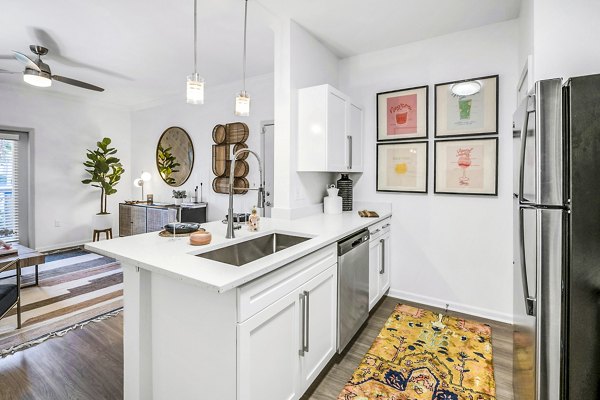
(267, 130)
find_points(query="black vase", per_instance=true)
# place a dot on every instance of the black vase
(344, 184)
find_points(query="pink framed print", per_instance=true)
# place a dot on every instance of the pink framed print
(467, 166)
(402, 114)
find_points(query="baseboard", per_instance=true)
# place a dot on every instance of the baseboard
(462, 308)
(62, 245)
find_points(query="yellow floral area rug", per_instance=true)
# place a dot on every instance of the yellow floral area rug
(418, 355)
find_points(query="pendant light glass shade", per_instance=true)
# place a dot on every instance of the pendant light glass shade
(242, 104)
(195, 89)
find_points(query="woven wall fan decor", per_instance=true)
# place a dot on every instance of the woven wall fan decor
(227, 137)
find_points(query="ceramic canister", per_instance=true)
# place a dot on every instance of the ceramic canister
(344, 184)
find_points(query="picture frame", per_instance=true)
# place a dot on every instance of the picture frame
(466, 166)
(403, 114)
(469, 114)
(402, 167)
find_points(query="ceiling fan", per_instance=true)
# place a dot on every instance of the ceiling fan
(37, 73)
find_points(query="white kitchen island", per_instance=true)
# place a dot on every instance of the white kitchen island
(195, 328)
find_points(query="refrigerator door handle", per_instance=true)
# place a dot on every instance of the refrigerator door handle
(529, 301)
(522, 155)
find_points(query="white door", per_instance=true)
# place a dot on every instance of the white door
(320, 306)
(374, 268)
(268, 344)
(355, 130)
(267, 146)
(336, 133)
(384, 272)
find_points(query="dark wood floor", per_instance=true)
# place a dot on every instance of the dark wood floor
(88, 363)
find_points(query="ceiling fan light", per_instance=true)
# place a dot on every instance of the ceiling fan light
(36, 79)
(466, 88)
(242, 104)
(195, 89)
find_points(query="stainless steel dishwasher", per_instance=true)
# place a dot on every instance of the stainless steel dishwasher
(353, 286)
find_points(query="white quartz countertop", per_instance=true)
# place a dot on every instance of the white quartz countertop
(177, 258)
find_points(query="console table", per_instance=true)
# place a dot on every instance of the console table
(142, 218)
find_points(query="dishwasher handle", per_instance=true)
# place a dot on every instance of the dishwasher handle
(353, 241)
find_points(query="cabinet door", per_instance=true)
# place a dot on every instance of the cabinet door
(268, 345)
(157, 218)
(125, 220)
(374, 268)
(384, 272)
(319, 306)
(355, 132)
(138, 220)
(337, 142)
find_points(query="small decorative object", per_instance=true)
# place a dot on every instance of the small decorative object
(344, 184)
(368, 214)
(468, 107)
(467, 166)
(253, 220)
(182, 227)
(150, 198)
(6, 248)
(139, 182)
(402, 167)
(169, 232)
(332, 203)
(200, 238)
(402, 114)
(175, 156)
(179, 195)
(105, 172)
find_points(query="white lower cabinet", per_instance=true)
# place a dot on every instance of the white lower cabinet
(379, 261)
(284, 347)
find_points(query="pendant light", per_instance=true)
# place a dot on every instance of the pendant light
(195, 83)
(242, 101)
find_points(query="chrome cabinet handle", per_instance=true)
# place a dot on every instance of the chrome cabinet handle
(382, 270)
(529, 301)
(307, 319)
(374, 232)
(349, 151)
(385, 226)
(302, 323)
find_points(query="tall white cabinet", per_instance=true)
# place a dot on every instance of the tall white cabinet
(379, 261)
(330, 131)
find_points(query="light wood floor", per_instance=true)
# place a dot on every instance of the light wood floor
(88, 363)
(340, 369)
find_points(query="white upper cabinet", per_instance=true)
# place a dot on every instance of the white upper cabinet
(330, 130)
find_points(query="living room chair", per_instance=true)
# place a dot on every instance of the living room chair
(10, 294)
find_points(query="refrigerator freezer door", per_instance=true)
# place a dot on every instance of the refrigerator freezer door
(537, 143)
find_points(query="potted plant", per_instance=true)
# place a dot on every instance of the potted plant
(179, 195)
(105, 172)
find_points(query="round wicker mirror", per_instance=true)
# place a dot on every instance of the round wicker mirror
(175, 156)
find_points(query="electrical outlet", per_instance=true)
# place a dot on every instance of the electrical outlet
(57, 223)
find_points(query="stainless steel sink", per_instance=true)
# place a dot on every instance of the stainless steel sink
(245, 252)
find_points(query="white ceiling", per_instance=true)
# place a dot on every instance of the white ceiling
(138, 50)
(351, 27)
(142, 50)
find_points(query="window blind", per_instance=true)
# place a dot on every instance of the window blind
(9, 185)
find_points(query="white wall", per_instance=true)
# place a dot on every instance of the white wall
(446, 248)
(300, 61)
(198, 121)
(63, 128)
(566, 38)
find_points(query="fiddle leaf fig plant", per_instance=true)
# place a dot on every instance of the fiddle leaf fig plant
(167, 164)
(105, 171)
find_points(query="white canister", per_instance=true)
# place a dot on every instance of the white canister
(332, 204)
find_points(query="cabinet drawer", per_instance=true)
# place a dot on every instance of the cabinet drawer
(258, 294)
(380, 228)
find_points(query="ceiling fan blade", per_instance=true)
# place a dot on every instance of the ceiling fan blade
(27, 61)
(77, 83)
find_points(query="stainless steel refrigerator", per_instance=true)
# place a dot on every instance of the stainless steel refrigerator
(556, 203)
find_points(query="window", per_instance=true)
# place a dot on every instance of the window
(9, 185)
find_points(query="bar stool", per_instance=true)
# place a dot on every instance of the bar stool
(107, 232)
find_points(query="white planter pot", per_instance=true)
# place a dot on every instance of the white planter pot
(102, 221)
(178, 201)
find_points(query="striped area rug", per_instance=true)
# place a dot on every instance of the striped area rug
(74, 286)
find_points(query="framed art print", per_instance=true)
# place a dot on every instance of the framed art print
(402, 167)
(467, 166)
(402, 114)
(468, 107)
